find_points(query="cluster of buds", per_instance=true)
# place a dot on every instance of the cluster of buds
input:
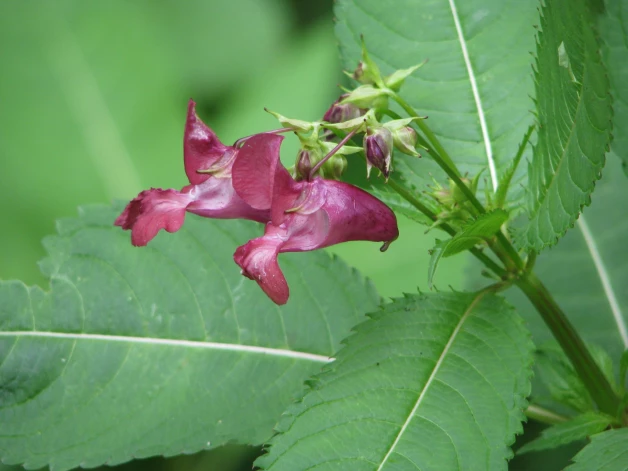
(453, 203)
(380, 139)
(375, 89)
(248, 181)
(358, 111)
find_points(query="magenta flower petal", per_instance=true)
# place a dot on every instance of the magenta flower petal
(258, 260)
(151, 211)
(157, 209)
(355, 214)
(259, 176)
(201, 147)
(216, 198)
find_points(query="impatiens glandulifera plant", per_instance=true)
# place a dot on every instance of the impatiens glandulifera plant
(168, 349)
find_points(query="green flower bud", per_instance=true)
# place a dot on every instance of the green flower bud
(367, 72)
(367, 96)
(405, 140)
(458, 195)
(334, 167)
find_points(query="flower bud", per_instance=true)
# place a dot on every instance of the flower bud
(405, 140)
(378, 146)
(367, 96)
(367, 72)
(304, 164)
(458, 195)
(334, 167)
(341, 112)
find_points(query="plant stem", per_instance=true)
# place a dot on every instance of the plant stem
(331, 153)
(481, 256)
(571, 343)
(427, 131)
(444, 161)
(564, 332)
(543, 415)
(440, 155)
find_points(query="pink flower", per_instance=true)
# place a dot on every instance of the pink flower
(210, 194)
(305, 215)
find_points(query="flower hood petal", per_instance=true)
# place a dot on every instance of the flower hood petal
(201, 147)
(260, 179)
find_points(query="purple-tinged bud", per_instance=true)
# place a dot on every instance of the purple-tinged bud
(378, 146)
(340, 112)
(405, 140)
(303, 165)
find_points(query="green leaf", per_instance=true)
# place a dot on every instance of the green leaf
(564, 385)
(473, 233)
(159, 350)
(574, 113)
(564, 433)
(623, 370)
(606, 452)
(435, 255)
(612, 27)
(478, 230)
(476, 86)
(557, 374)
(433, 381)
(586, 272)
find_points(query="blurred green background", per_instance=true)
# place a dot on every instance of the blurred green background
(93, 98)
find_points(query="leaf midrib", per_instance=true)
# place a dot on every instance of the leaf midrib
(251, 349)
(433, 374)
(605, 280)
(476, 94)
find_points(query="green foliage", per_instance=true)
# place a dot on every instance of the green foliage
(432, 381)
(478, 108)
(480, 229)
(562, 382)
(623, 370)
(475, 232)
(574, 115)
(606, 452)
(564, 433)
(558, 376)
(612, 28)
(165, 349)
(586, 272)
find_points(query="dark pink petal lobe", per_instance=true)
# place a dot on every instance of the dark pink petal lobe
(258, 175)
(258, 260)
(151, 211)
(201, 147)
(157, 209)
(357, 215)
